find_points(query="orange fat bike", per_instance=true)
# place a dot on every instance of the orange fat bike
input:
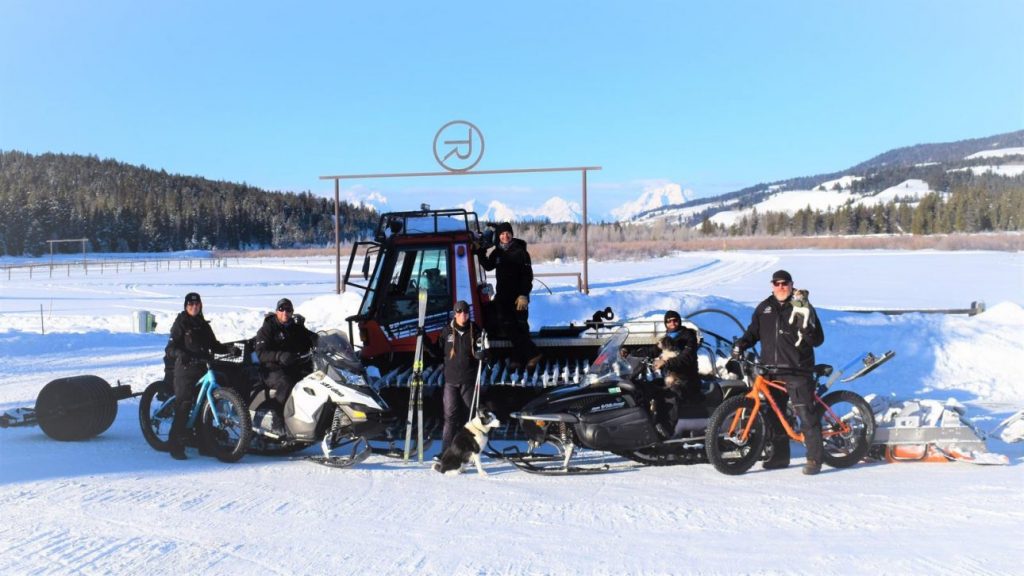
(738, 429)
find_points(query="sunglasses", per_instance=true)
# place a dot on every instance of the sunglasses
(285, 309)
(462, 311)
(780, 283)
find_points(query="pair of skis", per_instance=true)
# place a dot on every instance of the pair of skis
(416, 386)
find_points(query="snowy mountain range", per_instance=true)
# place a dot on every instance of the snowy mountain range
(899, 175)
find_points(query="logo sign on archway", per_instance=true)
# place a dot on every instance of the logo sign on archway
(458, 146)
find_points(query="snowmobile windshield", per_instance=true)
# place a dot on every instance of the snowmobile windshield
(333, 349)
(609, 363)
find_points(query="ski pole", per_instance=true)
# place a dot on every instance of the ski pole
(474, 406)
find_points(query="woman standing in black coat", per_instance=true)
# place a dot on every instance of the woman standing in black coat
(192, 344)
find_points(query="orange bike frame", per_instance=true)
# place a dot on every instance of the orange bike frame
(762, 388)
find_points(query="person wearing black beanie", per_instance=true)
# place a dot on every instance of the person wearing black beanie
(192, 343)
(514, 275)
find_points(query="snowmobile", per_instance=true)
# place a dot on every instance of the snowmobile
(610, 410)
(332, 406)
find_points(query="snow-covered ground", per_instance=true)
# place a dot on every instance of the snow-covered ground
(112, 505)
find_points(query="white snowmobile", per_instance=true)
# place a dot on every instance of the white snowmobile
(332, 406)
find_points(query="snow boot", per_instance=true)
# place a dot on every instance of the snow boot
(778, 453)
(178, 452)
(812, 467)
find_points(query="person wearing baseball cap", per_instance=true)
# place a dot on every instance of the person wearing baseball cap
(280, 344)
(788, 347)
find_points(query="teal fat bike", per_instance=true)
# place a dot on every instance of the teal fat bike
(219, 418)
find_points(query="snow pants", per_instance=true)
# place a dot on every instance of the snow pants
(457, 401)
(185, 378)
(800, 390)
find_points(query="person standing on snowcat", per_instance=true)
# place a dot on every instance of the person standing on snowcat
(192, 344)
(514, 275)
(280, 344)
(789, 347)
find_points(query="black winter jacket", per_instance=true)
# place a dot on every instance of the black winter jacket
(275, 338)
(457, 347)
(514, 270)
(192, 340)
(770, 326)
(684, 365)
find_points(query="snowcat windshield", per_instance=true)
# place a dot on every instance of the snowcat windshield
(609, 362)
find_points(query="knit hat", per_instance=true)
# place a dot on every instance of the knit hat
(783, 276)
(672, 314)
(503, 227)
(285, 304)
(192, 297)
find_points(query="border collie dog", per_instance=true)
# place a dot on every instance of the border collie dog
(467, 445)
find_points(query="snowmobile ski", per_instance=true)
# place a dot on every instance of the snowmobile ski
(355, 456)
(555, 465)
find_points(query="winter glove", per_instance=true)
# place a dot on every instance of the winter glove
(737, 353)
(481, 355)
(235, 352)
(522, 304)
(286, 358)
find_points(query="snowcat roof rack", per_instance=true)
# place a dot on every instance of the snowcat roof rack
(426, 221)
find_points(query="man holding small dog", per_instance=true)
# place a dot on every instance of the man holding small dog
(458, 346)
(678, 361)
(787, 341)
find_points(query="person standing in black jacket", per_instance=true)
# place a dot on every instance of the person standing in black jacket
(192, 344)
(514, 274)
(771, 325)
(458, 346)
(678, 361)
(281, 341)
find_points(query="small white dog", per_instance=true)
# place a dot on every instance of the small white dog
(467, 445)
(800, 308)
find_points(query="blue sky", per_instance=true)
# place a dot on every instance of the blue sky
(712, 96)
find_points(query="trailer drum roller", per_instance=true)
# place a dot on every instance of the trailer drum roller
(79, 407)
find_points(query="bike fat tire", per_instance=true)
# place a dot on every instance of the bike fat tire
(843, 451)
(156, 425)
(724, 455)
(229, 441)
